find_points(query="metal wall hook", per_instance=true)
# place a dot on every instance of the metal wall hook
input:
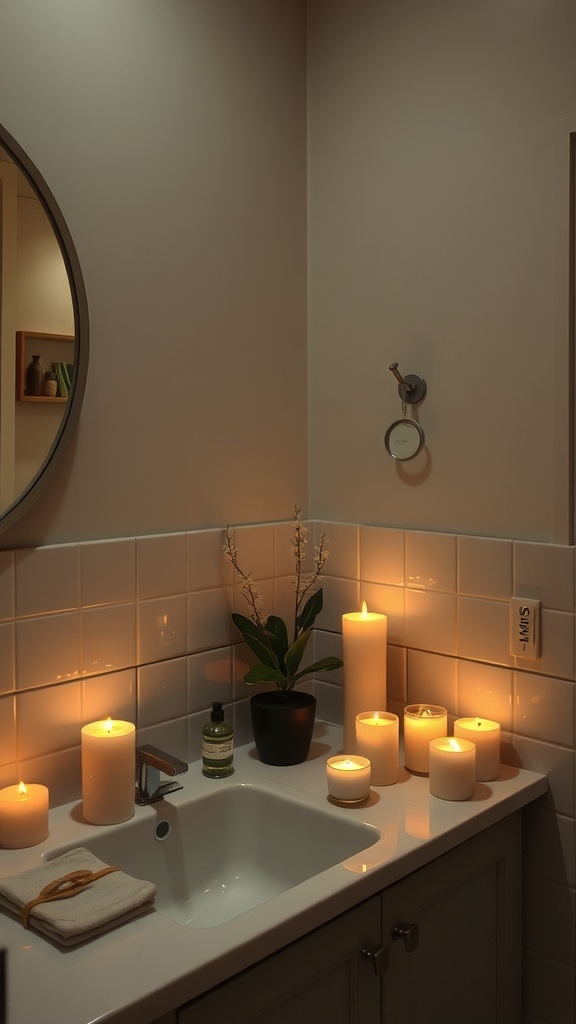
(411, 388)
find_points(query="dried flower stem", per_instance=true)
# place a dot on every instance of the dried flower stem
(253, 596)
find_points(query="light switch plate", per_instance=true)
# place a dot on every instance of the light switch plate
(525, 627)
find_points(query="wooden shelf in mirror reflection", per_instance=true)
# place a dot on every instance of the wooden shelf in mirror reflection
(52, 348)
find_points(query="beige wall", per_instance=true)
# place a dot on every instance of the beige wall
(438, 156)
(173, 137)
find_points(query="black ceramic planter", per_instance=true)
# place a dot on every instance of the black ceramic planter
(283, 725)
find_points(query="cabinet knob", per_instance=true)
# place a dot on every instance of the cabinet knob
(408, 932)
(378, 957)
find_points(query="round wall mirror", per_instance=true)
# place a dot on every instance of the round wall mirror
(43, 332)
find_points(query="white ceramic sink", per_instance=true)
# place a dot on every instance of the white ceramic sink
(229, 851)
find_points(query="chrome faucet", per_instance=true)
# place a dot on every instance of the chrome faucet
(150, 761)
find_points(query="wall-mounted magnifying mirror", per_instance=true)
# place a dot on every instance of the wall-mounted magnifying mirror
(404, 439)
(43, 332)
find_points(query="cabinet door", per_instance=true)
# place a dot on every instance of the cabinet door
(321, 978)
(464, 963)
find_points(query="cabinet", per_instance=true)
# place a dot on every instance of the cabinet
(322, 977)
(441, 944)
(465, 958)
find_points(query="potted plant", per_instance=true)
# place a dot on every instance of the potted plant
(283, 718)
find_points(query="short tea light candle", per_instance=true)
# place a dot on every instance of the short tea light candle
(23, 816)
(377, 739)
(452, 768)
(486, 736)
(108, 771)
(422, 723)
(364, 637)
(348, 778)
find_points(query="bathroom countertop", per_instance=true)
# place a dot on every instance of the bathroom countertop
(135, 973)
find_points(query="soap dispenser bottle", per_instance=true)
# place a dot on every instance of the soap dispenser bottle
(217, 745)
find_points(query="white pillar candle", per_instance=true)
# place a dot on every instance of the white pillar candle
(486, 735)
(364, 636)
(377, 739)
(108, 771)
(348, 778)
(422, 723)
(452, 768)
(23, 816)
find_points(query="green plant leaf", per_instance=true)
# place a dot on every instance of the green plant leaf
(310, 611)
(278, 637)
(265, 674)
(324, 665)
(294, 654)
(253, 637)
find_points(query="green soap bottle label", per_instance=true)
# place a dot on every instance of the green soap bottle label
(217, 750)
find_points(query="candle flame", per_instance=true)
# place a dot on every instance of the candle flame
(108, 724)
(364, 610)
(453, 744)
(22, 789)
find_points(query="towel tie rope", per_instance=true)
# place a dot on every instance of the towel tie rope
(64, 888)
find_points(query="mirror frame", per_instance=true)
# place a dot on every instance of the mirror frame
(65, 431)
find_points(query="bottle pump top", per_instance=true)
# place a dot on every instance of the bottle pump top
(217, 712)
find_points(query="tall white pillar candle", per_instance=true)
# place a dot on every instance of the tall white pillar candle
(377, 739)
(108, 771)
(348, 778)
(452, 768)
(23, 816)
(422, 723)
(364, 636)
(486, 735)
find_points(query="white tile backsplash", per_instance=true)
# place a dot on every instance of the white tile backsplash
(49, 720)
(107, 572)
(46, 579)
(110, 696)
(545, 571)
(255, 546)
(162, 628)
(161, 565)
(210, 678)
(140, 628)
(431, 621)
(47, 649)
(431, 561)
(484, 630)
(7, 673)
(108, 638)
(6, 584)
(544, 708)
(485, 691)
(162, 691)
(382, 555)
(485, 567)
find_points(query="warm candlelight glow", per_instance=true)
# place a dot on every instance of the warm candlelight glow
(108, 771)
(364, 645)
(452, 768)
(377, 735)
(348, 778)
(347, 766)
(23, 815)
(422, 723)
(486, 735)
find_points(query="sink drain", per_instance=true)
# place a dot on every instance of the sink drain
(162, 830)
